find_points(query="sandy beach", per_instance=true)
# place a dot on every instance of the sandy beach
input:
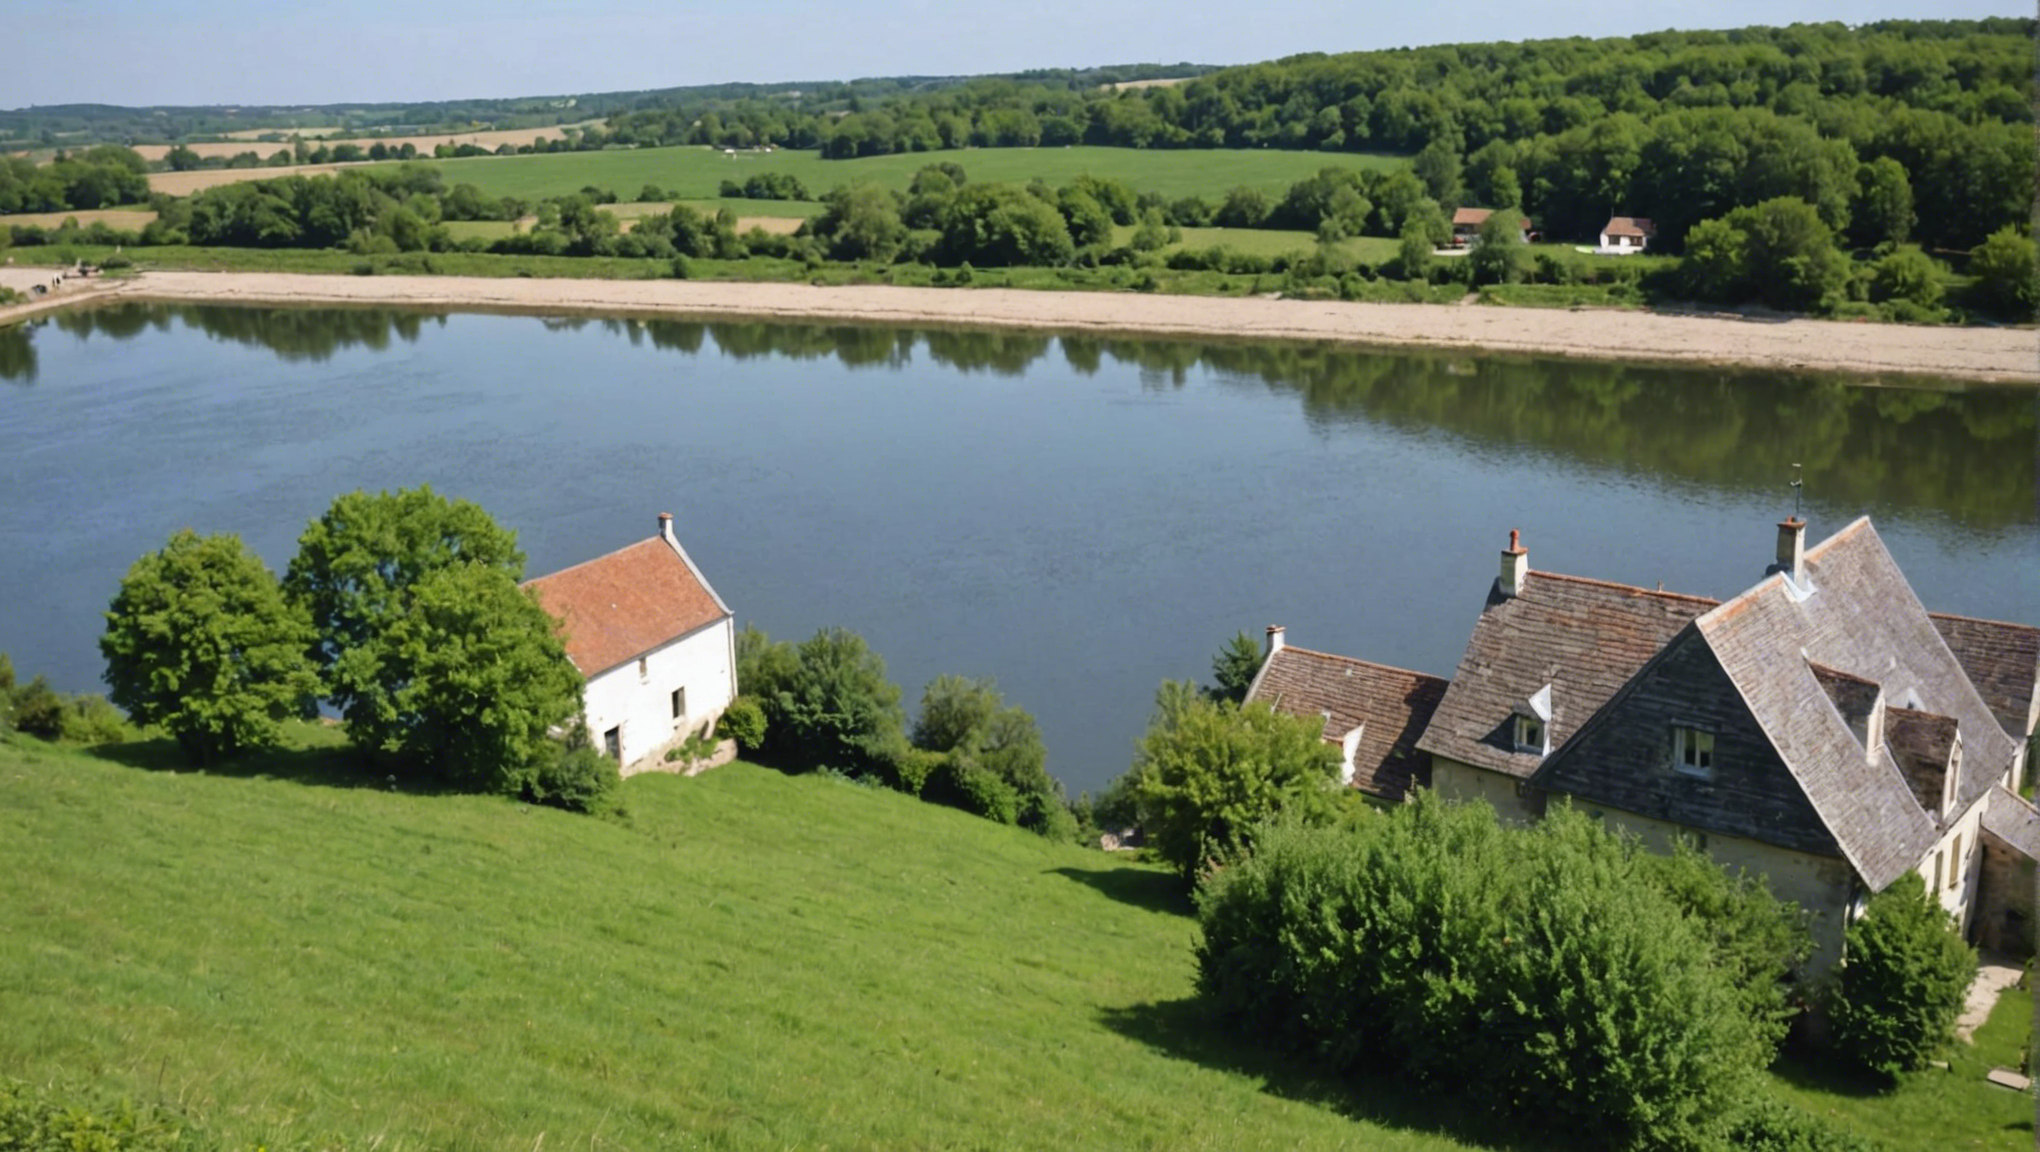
(1998, 355)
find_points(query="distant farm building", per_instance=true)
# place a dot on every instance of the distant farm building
(1623, 235)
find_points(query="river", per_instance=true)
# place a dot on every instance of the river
(1078, 518)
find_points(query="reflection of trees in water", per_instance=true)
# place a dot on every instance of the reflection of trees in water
(297, 334)
(17, 355)
(1966, 454)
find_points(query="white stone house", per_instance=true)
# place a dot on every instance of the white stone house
(657, 645)
(1624, 235)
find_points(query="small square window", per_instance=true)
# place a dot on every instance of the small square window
(612, 744)
(1529, 734)
(679, 703)
(1693, 751)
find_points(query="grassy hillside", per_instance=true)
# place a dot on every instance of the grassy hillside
(751, 960)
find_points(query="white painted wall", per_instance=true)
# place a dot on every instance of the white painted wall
(639, 704)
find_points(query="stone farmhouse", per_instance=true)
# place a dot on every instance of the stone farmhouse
(1822, 729)
(657, 645)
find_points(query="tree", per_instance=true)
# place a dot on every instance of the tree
(200, 640)
(1413, 252)
(181, 159)
(1883, 211)
(1499, 254)
(2007, 272)
(837, 709)
(1234, 668)
(1902, 980)
(355, 572)
(1792, 259)
(994, 762)
(860, 222)
(478, 678)
(1208, 772)
(1907, 274)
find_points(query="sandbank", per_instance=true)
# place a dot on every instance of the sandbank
(1995, 355)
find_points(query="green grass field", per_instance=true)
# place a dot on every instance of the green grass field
(698, 173)
(743, 960)
(751, 961)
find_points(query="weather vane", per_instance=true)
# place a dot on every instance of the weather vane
(1798, 490)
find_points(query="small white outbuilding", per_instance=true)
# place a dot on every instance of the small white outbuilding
(657, 645)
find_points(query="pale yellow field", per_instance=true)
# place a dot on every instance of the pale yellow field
(245, 141)
(1126, 85)
(185, 183)
(125, 219)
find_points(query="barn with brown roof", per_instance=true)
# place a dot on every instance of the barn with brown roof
(656, 643)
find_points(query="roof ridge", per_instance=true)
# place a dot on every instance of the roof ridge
(595, 559)
(1589, 580)
(1356, 660)
(1982, 620)
(1845, 532)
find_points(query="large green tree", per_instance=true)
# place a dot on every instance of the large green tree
(994, 762)
(200, 641)
(836, 708)
(355, 574)
(1209, 772)
(1902, 980)
(477, 679)
(2007, 271)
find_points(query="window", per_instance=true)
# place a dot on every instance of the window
(679, 703)
(1937, 872)
(1693, 751)
(1955, 873)
(643, 669)
(1529, 734)
(612, 744)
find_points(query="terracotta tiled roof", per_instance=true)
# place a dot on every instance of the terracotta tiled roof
(2013, 820)
(1861, 617)
(1393, 704)
(1471, 217)
(615, 608)
(1585, 638)
(2003, 661)
(1629, 226)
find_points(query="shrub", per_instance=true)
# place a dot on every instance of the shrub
(574, 776)
(837, 709)
(116, 262)
(90, 719)
(1901, 983)
(744, 722)
(1534, 963)
(1769, 1125)
(40, 1120)
(960, 782)
(39, 709)
(2006, 267)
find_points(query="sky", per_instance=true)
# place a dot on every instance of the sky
(143, 52)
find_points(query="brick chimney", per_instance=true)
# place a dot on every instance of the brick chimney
(1792, 550)
(1515, 565)
(1274, 640)
(666, 525)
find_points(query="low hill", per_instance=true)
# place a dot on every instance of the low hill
(746, 960)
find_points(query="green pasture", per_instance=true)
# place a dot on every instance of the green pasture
(748, 960)
(698, 173)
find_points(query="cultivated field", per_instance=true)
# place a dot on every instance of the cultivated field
(252, 140)
(198, 179)
(125, 219)
(698, 173)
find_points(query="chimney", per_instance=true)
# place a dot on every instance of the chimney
(1792, 550)
(1515, 565)
(666, 525)
(1274, 639)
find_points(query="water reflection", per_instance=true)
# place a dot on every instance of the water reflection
(1965, 454)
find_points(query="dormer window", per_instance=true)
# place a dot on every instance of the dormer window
(1529, 734)
(1693, 752)
(1531, 723)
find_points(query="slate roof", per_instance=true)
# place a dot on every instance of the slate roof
(2003, 661)
(1629, 226)
(1863, 619)
(1394, 705)
(1585, 638)
(2013, 820)
(1921, 743)
(615, 608)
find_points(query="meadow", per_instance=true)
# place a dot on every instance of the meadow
(295, 956)
(697, 173)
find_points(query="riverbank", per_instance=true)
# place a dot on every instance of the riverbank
(1995, 355)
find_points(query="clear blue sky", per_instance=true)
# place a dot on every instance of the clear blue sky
(138, 52)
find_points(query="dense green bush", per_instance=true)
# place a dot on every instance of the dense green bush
(41, 1120)
(574, 776)
(837, 708)
(39, 709)
(1540, 967)
(1770, 1125)
(2007, 271)
(1902, 980)
(960, 782)
(744, 722)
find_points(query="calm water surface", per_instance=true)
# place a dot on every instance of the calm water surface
(1079, 518)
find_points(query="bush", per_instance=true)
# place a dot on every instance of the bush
(116, 262)
(574, 776)
(744, 722)
(837, 709)
(90, 719)
(1902, 980)
(959, 782)
(1768, 1125)
(1533, 963)
(39, 709)
(39, 1120)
